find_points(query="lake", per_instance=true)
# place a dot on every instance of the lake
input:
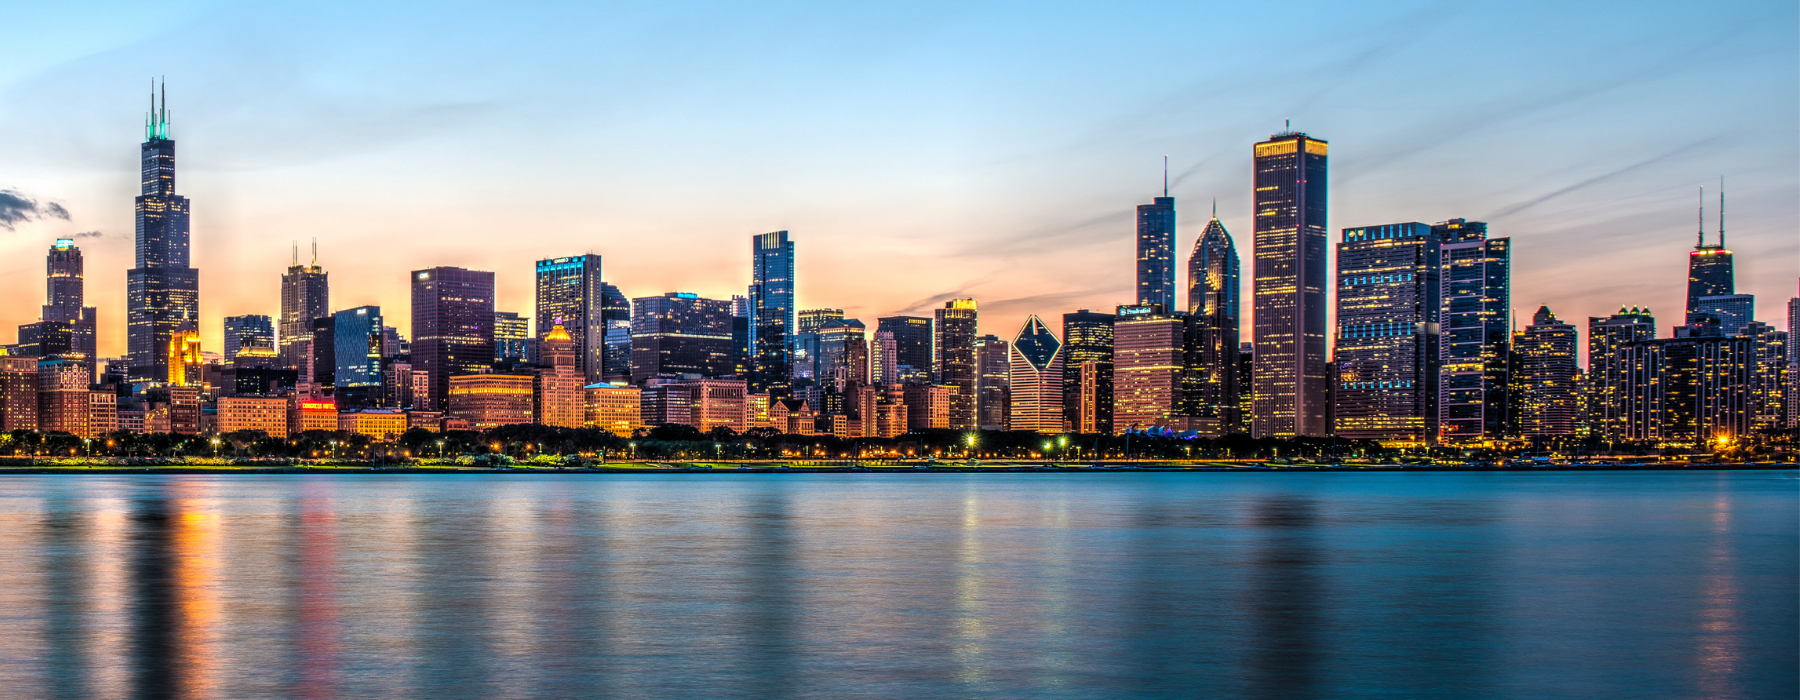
(1230, 585)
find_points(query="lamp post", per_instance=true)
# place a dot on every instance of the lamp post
(971, 442)
(215, 444)
(440, 449)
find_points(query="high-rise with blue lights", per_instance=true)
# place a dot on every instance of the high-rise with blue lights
(772, 321)
(1156, 251)
(161, 291)
(1387, 334)
(1475, 340)
(570, 293)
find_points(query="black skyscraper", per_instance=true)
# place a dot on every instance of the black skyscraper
(1088, 339)
(1709, 266)
(161, 292)
(912, 346)
(1156, 250)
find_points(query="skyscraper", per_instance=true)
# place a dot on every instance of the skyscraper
(772, 310)
(1149, 364)
(356, 339)
(161, 291)
(1037, 379)
(1607, 371)
(993, 383)
(1709, 267)
(570, 292)
(843, 358)
(512, 337)
(452, 325)
(680, 333)
(1088, 348)
(305, 295)
(1213, 304)
(617, 313)
(65, 298)
(955, 361)
(1289, 287)
(883, 368)
(557, 391)
(1475, 343)
(912, 347)
(1156, 249)
(1547, 352)
(250, 330)
(1387, 340)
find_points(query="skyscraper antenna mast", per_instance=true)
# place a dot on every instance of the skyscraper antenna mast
(1721, 211)
(1165, 176)
(315, 262)
(1700, 241)
(296, 253)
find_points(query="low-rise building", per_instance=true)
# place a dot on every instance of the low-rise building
(492, 400)
(312, 413)
(381, 425)
(265, 413)
(617, 409)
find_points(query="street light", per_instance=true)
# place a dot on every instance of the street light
(440, 449)
(215, 442)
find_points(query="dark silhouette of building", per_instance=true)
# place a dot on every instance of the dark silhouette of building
(161, 291)
(912, 347)
(1213, 305)
(1709, 266)
(248, 331)
(1606, 369)
(1387, 338)
(680, 333)
(1088, 371)
(452, 326)
(993, 383)
(617, 314)
(1289, 287)
(65, 299)
(305, 295)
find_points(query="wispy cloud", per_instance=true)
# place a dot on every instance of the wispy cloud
(16, 208)
(1598, 179)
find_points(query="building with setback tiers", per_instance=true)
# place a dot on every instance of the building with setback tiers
(305, 295)
(161, 291)
(1037, 379)
(65, 299)
(452, 327)
(1212, 303)
(955, 366)
(1289, 287)
(558, 400)
(1387, 339)
(1709, 266)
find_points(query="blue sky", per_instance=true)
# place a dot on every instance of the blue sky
(916, 151)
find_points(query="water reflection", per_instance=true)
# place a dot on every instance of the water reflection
(1109, 586)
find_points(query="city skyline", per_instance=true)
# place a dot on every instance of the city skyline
(965, 214)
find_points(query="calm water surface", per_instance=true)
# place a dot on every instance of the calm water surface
(1507, 585)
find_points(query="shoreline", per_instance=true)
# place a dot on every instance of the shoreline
(701, 468)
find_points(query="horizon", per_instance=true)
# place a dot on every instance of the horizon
(915, 184)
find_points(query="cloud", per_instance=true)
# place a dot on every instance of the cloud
(1597, 179)
(16, 208)
(90, 234)
(932, 302)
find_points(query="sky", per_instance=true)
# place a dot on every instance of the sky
(916, 152)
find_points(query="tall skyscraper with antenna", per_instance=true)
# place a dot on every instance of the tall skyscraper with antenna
(1709, 266)
(305, 296)
(1212, 394)
(1156, 248)
(161, 292)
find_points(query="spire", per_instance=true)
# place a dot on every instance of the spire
(315, 260)
(1700, 241)
(1165, 176)
(1721, 211)
(1215, 209)
(296, 253)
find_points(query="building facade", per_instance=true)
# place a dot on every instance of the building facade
(1475, 340)
(248, 331)
(955, 360)
(1212, 305)
(1387, 339)
(305, 295)
(772, 311)
(570, 292)
(993, 383)
(680, 333)
(1289, 287)
(1156, 251)
(356, 357)
(559, 397)
(491, 400)
(1149, 366)
(1037, 379)
(1088, 340)
(912, 347)
(452, 327)
(161, 291)
(1547, 364)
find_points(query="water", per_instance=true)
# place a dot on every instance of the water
(1455, 585)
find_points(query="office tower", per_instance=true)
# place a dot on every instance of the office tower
(1289, 287)
(1768, 397)
(356, 357)
(1037, 379)
(1387, 338)
(927, 406)
(771, 311)
(616, 365)
(18, 393)
(452, 326)
(569, 290)
(884, 368)
(1709, 267)
(993, 383)
(62, 395)
(512, 336)
(161, 291)
(323, 357)
(810, 320)
(1149, 365)
(843, 353)
(1475, 342)
(1688, 390)
(1733, 311)
(490, 400)
(1606, 369)
(613, 408)
(1213, 304)
(305, 295)
(65, 297)
(955, 360)
(912, 347)
(558, 397)
(1792, 388)
(1156, 249)
(680, 333)
(184, 358)
(1547, 352)
(1088, 340)
(252, 330)
(46, 339)
(393, 344)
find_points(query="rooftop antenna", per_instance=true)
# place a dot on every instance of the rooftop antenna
(296, 253)
(1165, 176)
(1721, 211)
(315, 262)
(1287, 126)
(1215, 209)
(1701, 240)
